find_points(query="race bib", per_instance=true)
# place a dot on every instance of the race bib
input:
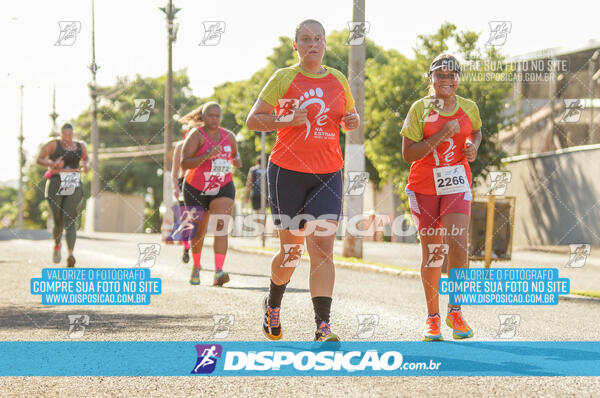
(220, 166)
(69, 181)
(450, 179)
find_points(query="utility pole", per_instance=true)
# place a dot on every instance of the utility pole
(552, 99)
(170, 12)
(355, 150)
(518, 90)
(53, 134)
(94, 132)
(21, 164)
(591, 66)
(263, 185)
(53, 115)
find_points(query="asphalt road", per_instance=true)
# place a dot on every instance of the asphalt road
(184, 312)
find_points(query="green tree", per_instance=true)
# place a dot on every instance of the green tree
(387, 101)
(236, 99)
(35, 207)
(8, 206)
(141, 175)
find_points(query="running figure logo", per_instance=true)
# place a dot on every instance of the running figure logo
(437, 254)
(186, 218)
(68, 32)
(6, 221)
(207, 358)
(366, 325)
(287, 107)
(291, 255)
(212, 32)
(212, 182)
(499, 31)
(573, 109)
(357, 32)
(431, 113)
(508, 326)
(77, 324)
(357, 182)
(148, 254)
(143, 109)
(69, 181)
(579, 254)
(223, 323)
(499, 182)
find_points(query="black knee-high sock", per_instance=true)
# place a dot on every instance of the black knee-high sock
(276, 294)
(322, 306)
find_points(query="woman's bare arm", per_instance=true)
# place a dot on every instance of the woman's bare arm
(261, 118)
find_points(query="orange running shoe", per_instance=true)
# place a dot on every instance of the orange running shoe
(431, 331)
(458, 324)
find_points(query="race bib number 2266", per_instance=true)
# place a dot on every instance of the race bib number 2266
(450, 179)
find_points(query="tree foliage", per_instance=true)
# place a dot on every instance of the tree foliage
(136, 175)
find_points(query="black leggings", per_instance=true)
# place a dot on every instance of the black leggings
(66, 210)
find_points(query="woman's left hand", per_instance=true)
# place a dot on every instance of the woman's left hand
(351, 121)
(470, 151)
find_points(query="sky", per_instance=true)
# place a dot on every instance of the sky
(131, 39)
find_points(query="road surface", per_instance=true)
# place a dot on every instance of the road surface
(184, 312)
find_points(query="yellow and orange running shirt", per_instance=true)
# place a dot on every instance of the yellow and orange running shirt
(424, 119)
(315, 146)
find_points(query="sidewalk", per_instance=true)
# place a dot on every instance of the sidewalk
(399, 255)
(404, 259)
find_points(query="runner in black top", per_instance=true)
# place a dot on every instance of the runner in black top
(63, 157)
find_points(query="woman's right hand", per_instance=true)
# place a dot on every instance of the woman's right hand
(299, 117)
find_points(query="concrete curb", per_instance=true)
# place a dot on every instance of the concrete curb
(395, 272)
(551, 249)
(577, 297)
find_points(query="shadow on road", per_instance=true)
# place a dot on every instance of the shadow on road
(266, 289)
(243, 274)
(31, 234)
(49, 317)
(98, 238)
